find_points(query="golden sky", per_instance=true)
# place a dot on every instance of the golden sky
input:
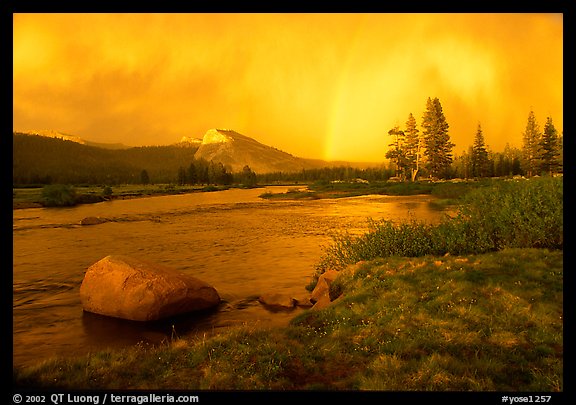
(326, 86)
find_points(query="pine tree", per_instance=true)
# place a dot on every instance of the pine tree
(192, 175)
(438, 148)
(248, 177)
(397, 151)
(413, 146)
(144, 178)
(462, 165)
(550, 148)
(513, 157)
(531, 145)
(479, 155)
(181, 176)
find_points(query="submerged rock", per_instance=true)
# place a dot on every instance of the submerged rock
(128, 288)
(303, 300)
(92, 221)
(276, 300)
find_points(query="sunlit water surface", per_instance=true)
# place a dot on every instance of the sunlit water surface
(241, 244)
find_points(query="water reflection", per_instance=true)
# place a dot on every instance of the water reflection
(107, 331)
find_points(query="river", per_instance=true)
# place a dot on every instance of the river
(241, 244)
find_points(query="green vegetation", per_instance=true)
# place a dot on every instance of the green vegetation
(58, 195)
(446, 192)
(526, 213)
(324, 189)
(65, 195)
(473, 304)
(490, 322)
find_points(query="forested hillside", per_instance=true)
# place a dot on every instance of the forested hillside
(42, 160)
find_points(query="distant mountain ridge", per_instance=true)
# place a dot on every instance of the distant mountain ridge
(226, 146)
(40, 159)
(73, 138)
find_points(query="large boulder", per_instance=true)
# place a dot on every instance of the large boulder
(128, 288)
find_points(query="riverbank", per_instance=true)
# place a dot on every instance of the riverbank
(32, 197)
(446, 192)
(490, 322)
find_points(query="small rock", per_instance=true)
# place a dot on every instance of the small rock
(303, 301)
(276, 300)
(323, 284)
(92, 221)
(325, 302)
(322, 302)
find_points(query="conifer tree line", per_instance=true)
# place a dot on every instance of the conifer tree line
(428, 153)
(201, 171)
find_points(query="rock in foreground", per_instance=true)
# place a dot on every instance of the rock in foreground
(124, 287)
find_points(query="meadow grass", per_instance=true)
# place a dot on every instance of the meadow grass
(446, 193)
(489, 322)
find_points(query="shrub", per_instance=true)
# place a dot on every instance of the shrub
(107, 191)
(452, 190)
(527, 214)
(58, 195)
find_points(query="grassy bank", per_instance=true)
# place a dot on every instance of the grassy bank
(447, 192)
(31, 197)
(473, 322)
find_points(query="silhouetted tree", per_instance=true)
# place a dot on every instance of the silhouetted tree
(181, 176)
(397, 153)
(248, 177)
(550, 147)
(217, 174)
(413, 146)
(144, 178)
(462, 164)
(202, 171)
(438, 148)
(479, 155)
(192, 174)
(531, 145)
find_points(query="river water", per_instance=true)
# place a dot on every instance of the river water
(241, 244)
